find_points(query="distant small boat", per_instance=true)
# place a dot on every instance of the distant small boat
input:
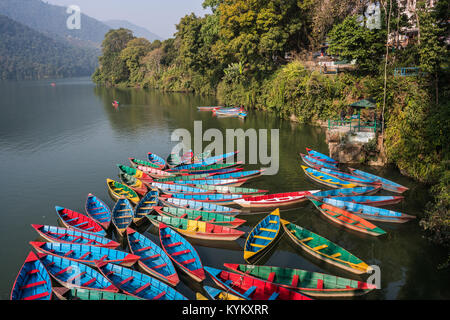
(157, 160)
(262, 236)
(182, 253)
(385, 183)
(357, 191)
(274, 200)
(93, 295)
(138, 284)
(217, 294)
(33, 281)
(208, 108)
(233, 190)
(327, 179)
(210, 217)
(369, 212)
(136, 173)
(64, 235)
(197, 205)
(251, 288)
(320, 156)
(197, 229)
(347, 219)
(118, 190)
(312, 162)
(75, 220)
(217, 198)
(137, 185)
(122, 215)
(146, 205)
(323, 249)
(98, 210)
(372, 200)
(153, 259)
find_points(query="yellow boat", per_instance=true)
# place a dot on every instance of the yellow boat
(326, 179)
(117, 190)
(217, 294)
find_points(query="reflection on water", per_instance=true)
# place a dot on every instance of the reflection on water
(59, 143)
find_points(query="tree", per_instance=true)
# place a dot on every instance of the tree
(135, 50)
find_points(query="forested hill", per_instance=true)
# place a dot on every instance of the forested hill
(138, 31)
(28, 54)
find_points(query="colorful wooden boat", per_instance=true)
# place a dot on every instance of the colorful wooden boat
(369, 212)
(217, 294)
(385, 183)
(323, 249)
(233, 190)
(83, 294)
(196, 205)
(33, 281)
(312, 162)
(98, 210)
(275, 200)
(198, 169)
(157, 160)
(171, 188)
(122, 215)
(84, 253)
(348, 177)
(216, 159)
(138, 284)
(358, 191)
(137, 185)
(174, 159)
(327, 179)
(210, 217)
(64, 235)
(136, 173)
(118, 190)
(208, 108)
(143, 165)
(238, 175)
(214, 182)
(77, 221)
(153, 259)
(145, 206)
(72, 274)
(320, 156)
(347, 219)
(262, 236)
(251, 288)
(372, 200)
(197, 229)
(182, 253)
(218, 198)
(201, 156)
(310, 283)
(176, 179)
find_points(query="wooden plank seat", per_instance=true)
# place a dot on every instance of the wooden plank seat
(144, 249)
(257, 245)
(86, 284)
(249, 291)
(274, 296)
(142, 288)
(160, 266)
(159, 296)
(179, 253)
(37, 296)
(269, 230)
(121, 283)
(174, 244)
(188, 261)
(32, 285)
(262, 237)
(79, 275)
(155, 256)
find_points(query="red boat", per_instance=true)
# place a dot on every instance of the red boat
(274, 200)
(75, 220)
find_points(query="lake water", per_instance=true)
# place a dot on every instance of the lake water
(59, 143)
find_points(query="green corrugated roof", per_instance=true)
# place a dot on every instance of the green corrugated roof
(365, 103)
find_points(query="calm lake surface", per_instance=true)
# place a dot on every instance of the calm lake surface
(57, 144)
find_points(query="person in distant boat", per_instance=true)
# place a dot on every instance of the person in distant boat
(343, 115)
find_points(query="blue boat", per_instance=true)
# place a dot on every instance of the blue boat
(369, 212)
(348, 177)
(236, 175)
(216, 159)
(138, 284)
(72, 274)
(153, 259)
(327, 179)
(217, 294)
(215, 182)
(203, 168)
(169, 188)
(85, 253)
(33, 281)
(262, 236)
(219, 198)
(385, 183)
(372, 200)
(358, 191)
(98, 210)
(197, 205)
(122, 215)
(310, 161)
(157, 160)
(320, 156)
(145, 206)
(182, 253)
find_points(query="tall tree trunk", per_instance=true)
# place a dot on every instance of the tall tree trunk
(385, 65)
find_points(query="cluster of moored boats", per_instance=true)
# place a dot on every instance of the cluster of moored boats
(189, 197)
(221, 112)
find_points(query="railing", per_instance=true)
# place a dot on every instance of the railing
(353, 125)
(406, 72)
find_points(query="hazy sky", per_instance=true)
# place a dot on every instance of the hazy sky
(158, 16)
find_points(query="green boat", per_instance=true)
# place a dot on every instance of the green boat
(324, 249)
(310, 283)
(233, 190)
(210, 217)
(205, 169)
(83, 294)
(136, 162)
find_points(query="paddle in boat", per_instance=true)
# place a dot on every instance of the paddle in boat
(251, 288)
(77, 221)
(385, 183)
(171, 188)
(145, 206)
(64, 235)
(138, 284)
(122, 215)
(323, 249)
(98, 210)
(218, 198)
(348, 177)
(372, 200)
(84, 253)
(320, 156)
(210, 217)
(72, 274)
(197, 229)
(327, 179)
(275, 200)
(153, 259)
(233, 190)
(136, 173)
(157, 160)
(182, 253)
(217, 294)
(118, 190)
(357, 191)
(83, 294)
(369, 212)
(347, 219)
(33, 281)
(137, 185)
(262, 236)
(197, 205)
(310, 283)
(312, 162)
